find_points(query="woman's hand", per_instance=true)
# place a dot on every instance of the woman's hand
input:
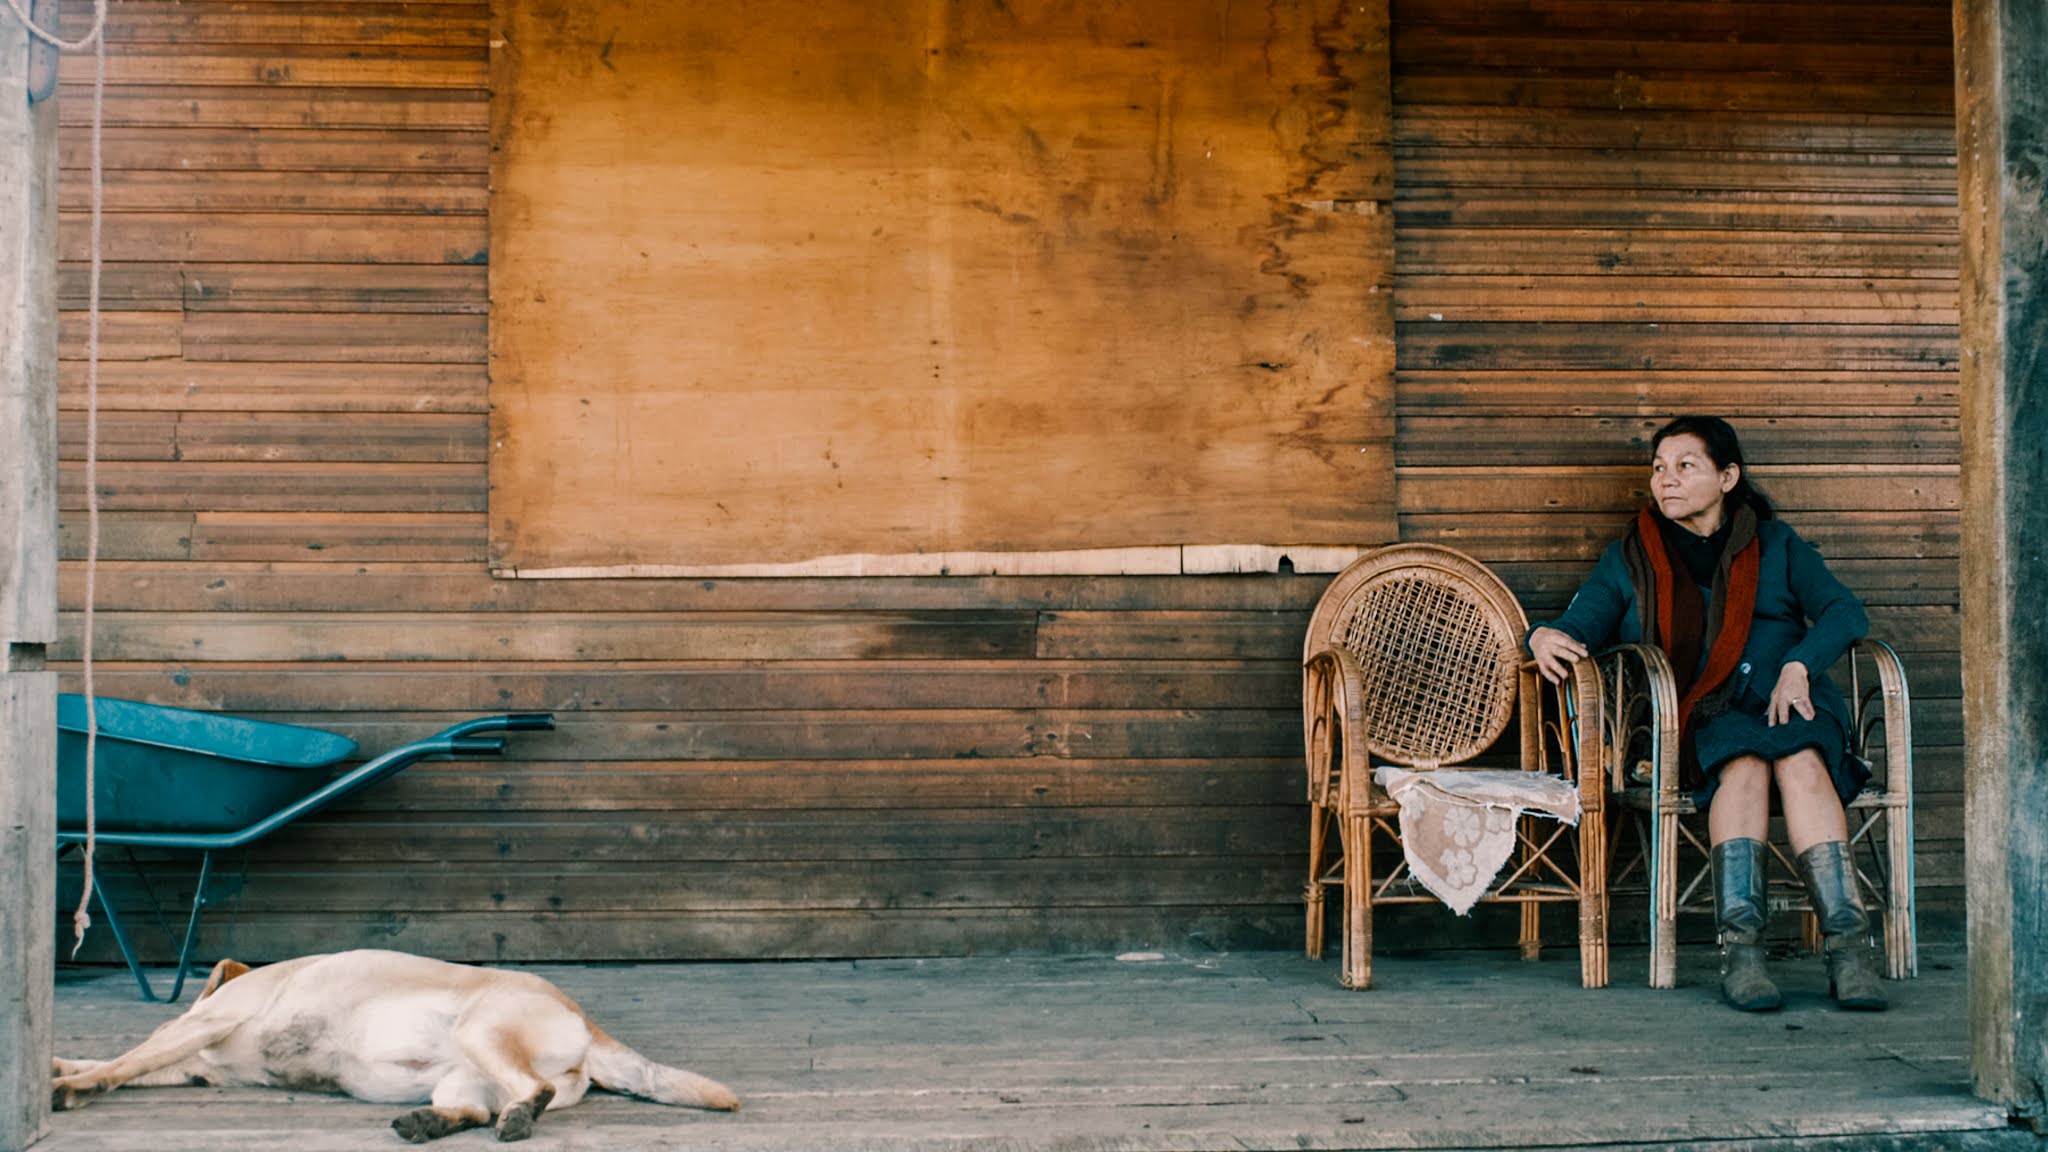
(1555, 653)
(1791, 695)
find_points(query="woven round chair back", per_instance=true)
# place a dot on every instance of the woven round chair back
(1438, 640)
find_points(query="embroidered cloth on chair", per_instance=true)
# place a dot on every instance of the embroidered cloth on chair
(1458, 825)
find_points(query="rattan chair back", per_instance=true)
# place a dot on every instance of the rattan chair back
(1438, 641)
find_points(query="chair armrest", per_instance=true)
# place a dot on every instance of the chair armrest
(1333, 691)
(1641, 721)
(1885, 703)
(1567, 717)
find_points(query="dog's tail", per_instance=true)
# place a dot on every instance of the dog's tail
(617, 1068)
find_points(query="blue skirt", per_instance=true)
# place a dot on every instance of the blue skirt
(1743, 731)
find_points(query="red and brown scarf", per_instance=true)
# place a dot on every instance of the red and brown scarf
(1674, 617)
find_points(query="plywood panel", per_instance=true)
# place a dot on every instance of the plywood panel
(1046, 278)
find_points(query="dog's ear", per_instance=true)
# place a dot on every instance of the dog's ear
(223, 972)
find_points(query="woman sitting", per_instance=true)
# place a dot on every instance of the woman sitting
(1751, 620)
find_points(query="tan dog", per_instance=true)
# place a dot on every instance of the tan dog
(391, 1028)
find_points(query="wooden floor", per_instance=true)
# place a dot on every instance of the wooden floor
(1169, 1051)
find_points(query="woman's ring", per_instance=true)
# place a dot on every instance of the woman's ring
(1799, 700)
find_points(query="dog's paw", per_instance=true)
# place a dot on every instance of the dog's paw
(66, 1096)
(423, 1124)
(723, 1100)
(516, 1122)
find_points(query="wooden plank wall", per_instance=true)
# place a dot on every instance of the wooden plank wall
(1608, 213)
(294, 442)
(294, 487)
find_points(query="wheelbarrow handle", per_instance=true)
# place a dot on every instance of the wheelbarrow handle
(517, 721)
(477, 746)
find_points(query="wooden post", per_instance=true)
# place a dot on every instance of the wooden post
(28, 590)
(2002, 150)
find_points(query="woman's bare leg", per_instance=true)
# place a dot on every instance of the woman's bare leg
(1741, 808)
(1813, 812)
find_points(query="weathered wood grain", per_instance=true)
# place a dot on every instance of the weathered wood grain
(349, 337)
(28, 904)
(729, 683)
(28, 583)
(566, 636)
(151, 190)
(236, 149)
(2003, 50)
(377, 26)
(176, 385)
(456, 588)
(193, 105)
(283, 887)
(261, 65)
(298, 530)
(1436, 437)
(1137, 253)
(1192, 1051)
(288, 237)
(278, 486)
(1607, 216)
(361, 438)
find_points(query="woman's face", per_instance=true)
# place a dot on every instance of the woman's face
(1686, 484)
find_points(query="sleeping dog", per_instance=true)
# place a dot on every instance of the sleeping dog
(390, 1028)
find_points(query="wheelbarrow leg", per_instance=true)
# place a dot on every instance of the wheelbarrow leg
(191, 927)
(127, 948)
(121, 939)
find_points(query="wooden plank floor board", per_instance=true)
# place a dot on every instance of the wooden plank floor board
(1183, 1052)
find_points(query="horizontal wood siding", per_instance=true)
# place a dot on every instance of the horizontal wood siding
(293, 442)
(292, 479)
(1609, 213)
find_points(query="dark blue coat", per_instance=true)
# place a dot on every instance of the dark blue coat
(1802, 613)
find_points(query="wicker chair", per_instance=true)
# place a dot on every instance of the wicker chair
(1661, 848)
(1414, 658)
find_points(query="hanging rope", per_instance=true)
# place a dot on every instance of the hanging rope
(99, 21)
(81, 918)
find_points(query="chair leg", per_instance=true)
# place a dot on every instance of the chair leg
(1901, 943)
(1318, 823)
(1593, 899)
(1357, 837)
(1664, 901)
(1532, 922)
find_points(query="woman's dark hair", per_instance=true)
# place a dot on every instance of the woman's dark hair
(1723, 448)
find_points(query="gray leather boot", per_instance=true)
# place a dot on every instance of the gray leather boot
(1740, 911)
(1845, 931)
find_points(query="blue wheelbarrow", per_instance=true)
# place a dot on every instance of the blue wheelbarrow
(169, 778)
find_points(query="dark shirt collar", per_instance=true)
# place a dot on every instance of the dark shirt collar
(1700, 555)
